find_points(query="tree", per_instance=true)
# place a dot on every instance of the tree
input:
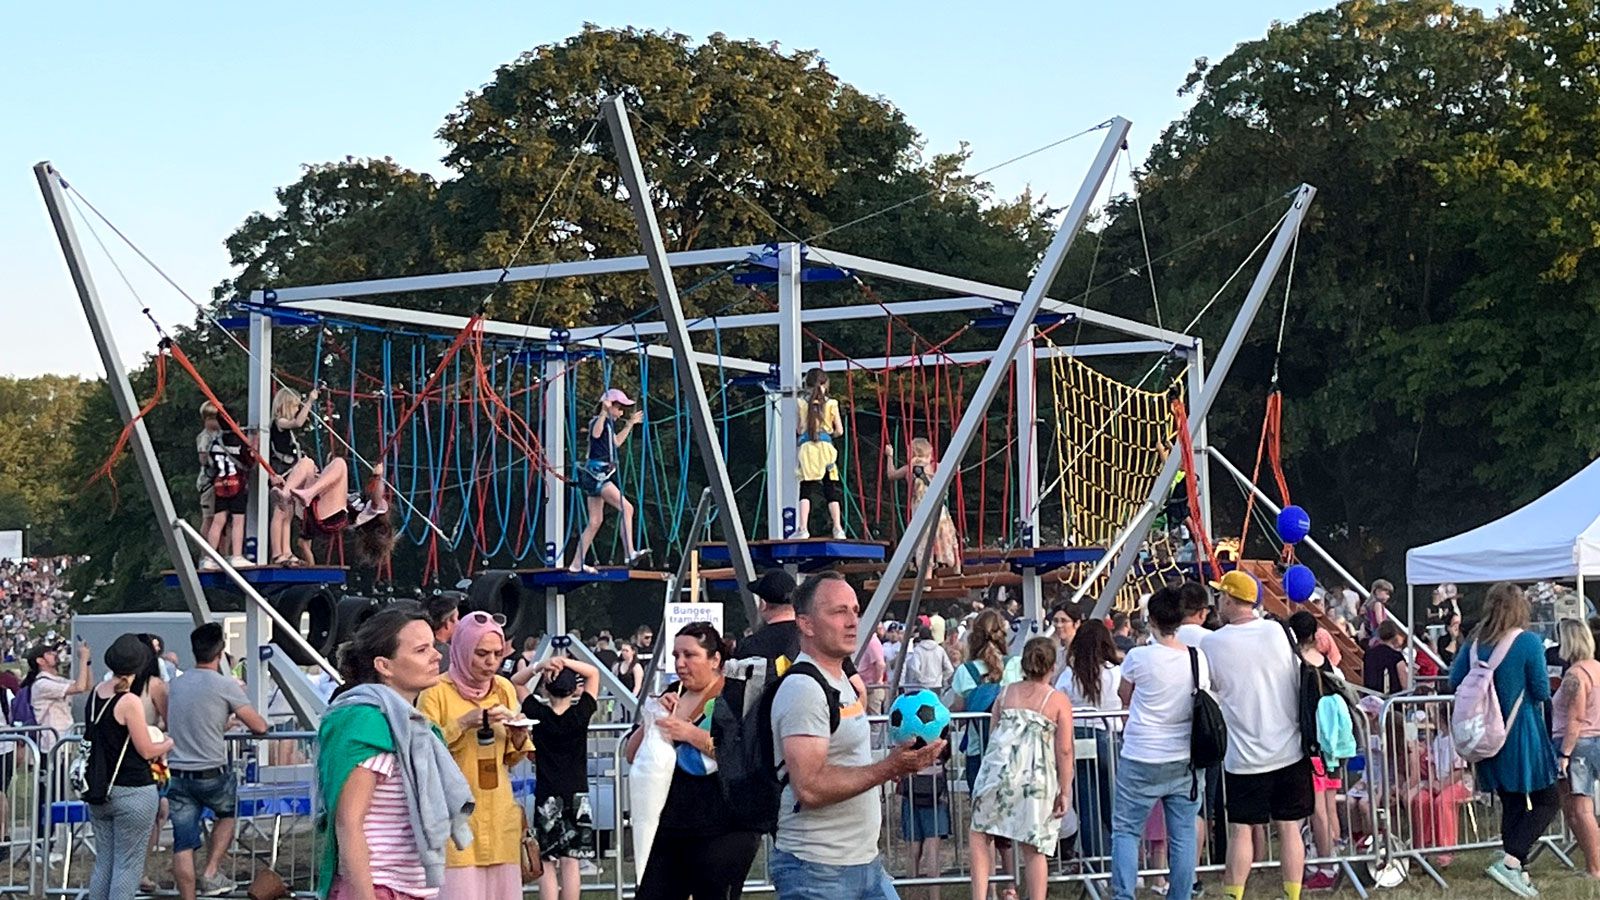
(36, 418)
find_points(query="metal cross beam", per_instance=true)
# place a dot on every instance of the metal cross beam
(1017, 334)
(1146, 515)
(694, 394)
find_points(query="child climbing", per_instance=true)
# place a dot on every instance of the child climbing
(818, 426)
(227, 464)
(597, 478)
(918, 472)
(289, 414)
(330, 508)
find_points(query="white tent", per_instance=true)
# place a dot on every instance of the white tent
(1556, 536)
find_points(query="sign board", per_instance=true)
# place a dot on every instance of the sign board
(10, 545)
(679, 615)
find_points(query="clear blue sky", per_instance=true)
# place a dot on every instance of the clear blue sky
(178, 120)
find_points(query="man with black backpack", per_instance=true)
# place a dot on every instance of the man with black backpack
(1266, 773)
(830, 810)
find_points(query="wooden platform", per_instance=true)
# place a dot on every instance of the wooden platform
(264, 576)
(566, 578)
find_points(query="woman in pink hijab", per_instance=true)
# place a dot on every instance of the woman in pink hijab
(476, 712)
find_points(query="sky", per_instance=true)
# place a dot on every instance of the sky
(179, 120)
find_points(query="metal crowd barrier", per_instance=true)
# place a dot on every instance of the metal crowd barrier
(20, 761)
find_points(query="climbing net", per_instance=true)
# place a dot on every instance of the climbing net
(1111, 439)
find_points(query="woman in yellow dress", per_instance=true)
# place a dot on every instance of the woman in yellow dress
(818, 426)
(472, 707)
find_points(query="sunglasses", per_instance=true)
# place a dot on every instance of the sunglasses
(483, 618)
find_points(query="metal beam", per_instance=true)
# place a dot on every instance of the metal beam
(787, 415)
(553, 436)
(443, 322)
(957, 285)
(53, 188)
(489, 277)
(1026, 375)
(966, 357)
(1202, 463)
(1017, 334)
(1200, 405)
(694, 394)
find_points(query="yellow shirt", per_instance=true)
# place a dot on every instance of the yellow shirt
(497, 818)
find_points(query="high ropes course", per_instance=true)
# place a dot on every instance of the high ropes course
(990, 438)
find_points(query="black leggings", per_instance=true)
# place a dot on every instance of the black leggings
(1523, 817)
(684, 864)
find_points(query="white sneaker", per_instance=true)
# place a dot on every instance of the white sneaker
(588, 867)
(838, 534)
(240, 562)
(802, 535)
(208, 565)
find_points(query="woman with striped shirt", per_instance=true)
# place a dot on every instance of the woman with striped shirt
(391, 795)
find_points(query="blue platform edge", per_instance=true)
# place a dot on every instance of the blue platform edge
(216, 579)
(776, 553)
(562, 578)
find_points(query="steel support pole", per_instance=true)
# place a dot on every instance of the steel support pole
(1017, 334)
(786, 476)
(1200, 406)
(775, 402)
(553, 379)
(53, 188)
(1202, 462)
(258, 511)
(732, 524)
(1027, 401)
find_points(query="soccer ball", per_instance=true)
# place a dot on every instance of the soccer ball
(918, 717)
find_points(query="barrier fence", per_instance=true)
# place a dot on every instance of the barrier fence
(1406, 800)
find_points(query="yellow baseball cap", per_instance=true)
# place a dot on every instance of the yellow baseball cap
(1239, 585)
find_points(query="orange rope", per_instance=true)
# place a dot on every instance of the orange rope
(105, 470)
(1271, 447)
(1192, 487)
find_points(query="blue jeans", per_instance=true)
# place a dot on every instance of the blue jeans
(797, 879)
(1139, 786)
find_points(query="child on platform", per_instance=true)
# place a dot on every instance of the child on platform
(817, 428)
(597, 478)
(228, 465)
(918, 471)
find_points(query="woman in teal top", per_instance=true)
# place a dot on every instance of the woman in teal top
(1523, 773)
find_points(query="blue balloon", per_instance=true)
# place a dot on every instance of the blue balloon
(1294, 524)
(1299, 582)
(915, 716)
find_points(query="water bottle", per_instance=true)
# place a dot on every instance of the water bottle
(488, 758)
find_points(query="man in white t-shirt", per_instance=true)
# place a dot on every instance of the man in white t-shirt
(1195, 602)
(1266, 772)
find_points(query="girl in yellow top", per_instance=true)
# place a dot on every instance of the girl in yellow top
(469, 700)
(819, 425)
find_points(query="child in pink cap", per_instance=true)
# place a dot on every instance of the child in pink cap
(597, 477)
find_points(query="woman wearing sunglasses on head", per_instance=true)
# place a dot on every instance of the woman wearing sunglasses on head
(476, 711)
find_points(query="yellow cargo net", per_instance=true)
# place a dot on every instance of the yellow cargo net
(1111, 440)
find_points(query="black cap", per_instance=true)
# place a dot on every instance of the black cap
(128, 655)
(38, 650)
(564, 684)
(774, 586)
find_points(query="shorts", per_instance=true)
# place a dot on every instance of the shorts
(234, 506)
(920, 823)
(312, 527)
(1320, 782)
(594, 475)
(823, 490)
(1583, 769)
(188, 798)
(565, 827)
(208, 502)
(1282, 795)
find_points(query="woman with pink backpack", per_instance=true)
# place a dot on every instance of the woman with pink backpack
(1522, 769)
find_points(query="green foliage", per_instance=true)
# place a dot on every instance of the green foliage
(36, 418)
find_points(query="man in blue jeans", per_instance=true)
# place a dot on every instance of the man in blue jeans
(200, 703)
(831, 811)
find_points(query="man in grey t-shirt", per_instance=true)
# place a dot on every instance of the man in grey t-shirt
(830, 814)
(200, 702)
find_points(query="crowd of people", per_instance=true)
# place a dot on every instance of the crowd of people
(33, 603)
(418, 746)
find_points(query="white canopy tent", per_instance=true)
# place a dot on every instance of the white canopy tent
(1555, 537)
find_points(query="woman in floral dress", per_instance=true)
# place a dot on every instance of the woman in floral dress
(1024, 783)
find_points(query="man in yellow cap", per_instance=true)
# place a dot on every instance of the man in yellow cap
(1266, 774)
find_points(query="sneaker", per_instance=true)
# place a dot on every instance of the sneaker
(587, 867)
(802, 535)
(1510, 879)
(208, 565)
(239, 562)
(838, 534)
(1527, 882)
(1199, 888)
(1321, 880)
(216, 885)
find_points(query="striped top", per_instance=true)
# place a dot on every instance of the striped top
(391, 845)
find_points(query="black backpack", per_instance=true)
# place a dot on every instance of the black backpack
(1208, 737)
(1314, 685)
(746, 766)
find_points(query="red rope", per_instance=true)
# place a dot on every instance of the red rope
(1270, 447)
(1011, 413)
(105, 470)
(1191, 486)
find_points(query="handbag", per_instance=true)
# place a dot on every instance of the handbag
(78, 776)
(532, 862)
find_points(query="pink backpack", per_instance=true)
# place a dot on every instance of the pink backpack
(1476, 726)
